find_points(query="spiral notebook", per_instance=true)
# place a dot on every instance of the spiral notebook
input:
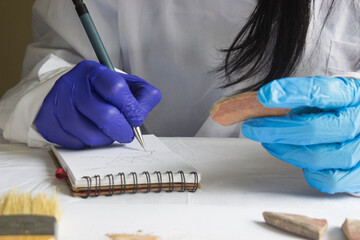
(125, 168)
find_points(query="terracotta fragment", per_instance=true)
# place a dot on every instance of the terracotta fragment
(131, 237)
(242, 107)
(311, 228)
(351, 228)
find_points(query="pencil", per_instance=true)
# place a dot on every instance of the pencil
(99, 48)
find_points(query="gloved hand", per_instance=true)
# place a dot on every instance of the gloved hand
(320, 134)
(94, 106)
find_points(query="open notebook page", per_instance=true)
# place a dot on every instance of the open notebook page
(124, 158)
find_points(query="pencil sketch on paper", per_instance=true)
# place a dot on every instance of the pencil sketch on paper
(125, 158)
(139, 157)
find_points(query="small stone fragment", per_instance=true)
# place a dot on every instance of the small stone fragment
(351, 228)
(311, 228)
(242, 107)
(132, 237)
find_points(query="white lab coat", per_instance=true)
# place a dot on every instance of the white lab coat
(174, 45)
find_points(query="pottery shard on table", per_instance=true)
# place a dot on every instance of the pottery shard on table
(241, 107)
(132, 237)
(311, 228)
(351, 228)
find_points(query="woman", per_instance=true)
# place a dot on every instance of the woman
(174, 45)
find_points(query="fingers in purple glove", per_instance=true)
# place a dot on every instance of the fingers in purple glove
(147, 95)
(75, 123)
(126, 94)
(107, 117)
(50, 128)
(93, 106)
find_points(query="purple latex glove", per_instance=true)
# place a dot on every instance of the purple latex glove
(94, 106)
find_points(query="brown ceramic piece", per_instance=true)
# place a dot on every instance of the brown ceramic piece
(241, 107)
(351, 228)
(311, 228)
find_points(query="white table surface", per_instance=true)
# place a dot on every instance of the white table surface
(240, 180)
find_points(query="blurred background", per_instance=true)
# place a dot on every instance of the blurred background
(15, 26)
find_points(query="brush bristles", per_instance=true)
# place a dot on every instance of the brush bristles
(24, 204)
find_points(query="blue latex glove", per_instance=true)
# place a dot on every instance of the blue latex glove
(94, 106)
(320, 134)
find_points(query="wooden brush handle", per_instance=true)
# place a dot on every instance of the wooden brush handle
(241, 107)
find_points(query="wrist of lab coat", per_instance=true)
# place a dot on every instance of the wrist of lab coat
(19, 125)
(354, 75)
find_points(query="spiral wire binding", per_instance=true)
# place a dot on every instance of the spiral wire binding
(196, 182)
(171, 181)
(159, 177)
(122, 182)
(88, 179)
(111, 184)
(183, 181)
(135, 182)
(97, 185)
(148, 181)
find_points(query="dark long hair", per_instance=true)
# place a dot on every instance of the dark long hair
(270, 44)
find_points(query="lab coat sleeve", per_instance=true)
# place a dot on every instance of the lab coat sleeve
(59, 44)
(20, 105)
(45, 61)
(355, 75)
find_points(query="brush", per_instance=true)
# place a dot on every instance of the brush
(27, 217)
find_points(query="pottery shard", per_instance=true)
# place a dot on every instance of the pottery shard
(131, 237)
(311, 228)
(242, 107)
(351, 228)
